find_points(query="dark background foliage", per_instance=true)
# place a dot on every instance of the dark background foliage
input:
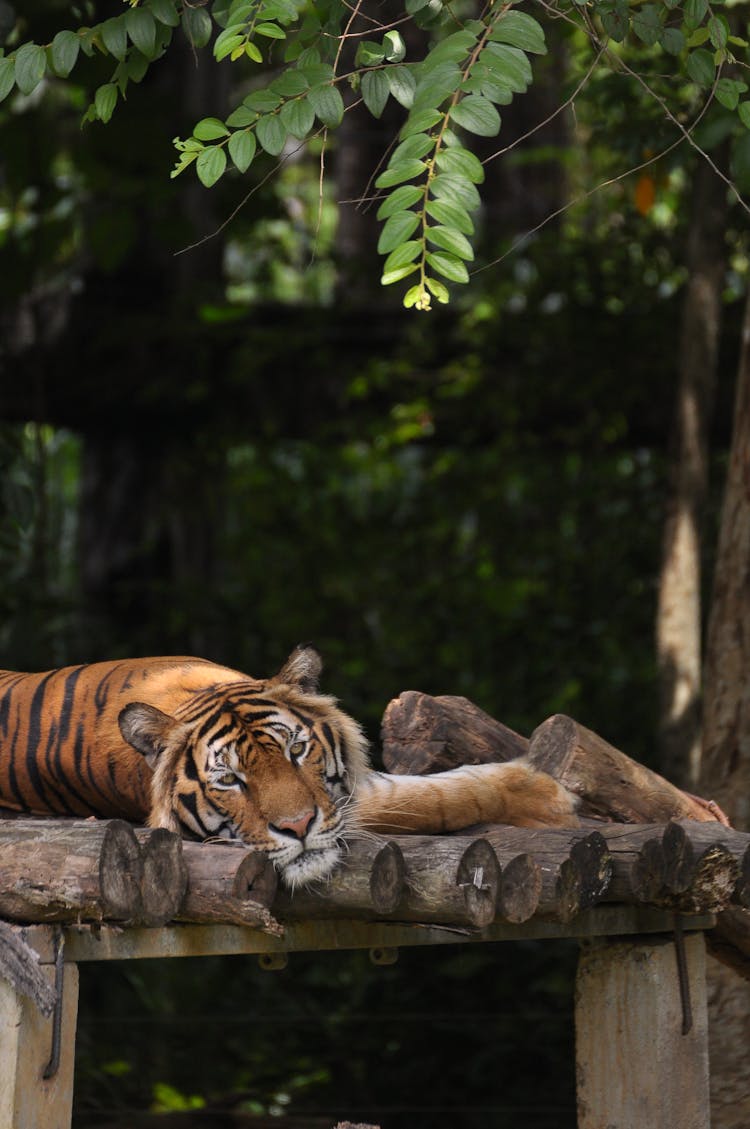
(232, 450)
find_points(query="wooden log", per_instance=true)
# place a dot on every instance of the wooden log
(422, 734)
(729, 940)
(684, 840)
(611, 785)
(228, 883)
(450, 881)
(368, 884)
(164, 875)
(574, 864)
(70, 870)
(20, 967)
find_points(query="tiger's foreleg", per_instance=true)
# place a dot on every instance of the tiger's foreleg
(512, 793)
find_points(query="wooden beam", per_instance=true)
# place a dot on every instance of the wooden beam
(28, 1099)
(636, 1066)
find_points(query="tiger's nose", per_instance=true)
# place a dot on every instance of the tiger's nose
(297, 826)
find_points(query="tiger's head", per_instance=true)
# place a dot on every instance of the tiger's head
(271, 763)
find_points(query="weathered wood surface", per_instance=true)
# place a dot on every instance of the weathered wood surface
(66, 870)
(369, 883)
(611, 784)
(634, 1067)
(229, 883)
(164, 879)
(421, 734)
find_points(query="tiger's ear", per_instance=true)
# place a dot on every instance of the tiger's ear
(302, 668)
(146, 728)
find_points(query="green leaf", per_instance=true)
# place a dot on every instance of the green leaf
(615, 19)
(452, 215)
(477, 114)
(165, 12)
(317, 74)
(508, 66)
(451, 240)
(672, 40)
(270, 31)
(135, 66)
(401, 199)
(7, 77)
(405, 170)
(718, 30)
(647, 25)
(197, 26)
(459, 160)
(242, 148)
(435, 85)
(698, 38)
(290, 84)
(397, 230)
(403, 255)
(519, 30)
(744, 113)
(369, 54)
(394, 47)
(142, 30)
(241, 116)
(298, 117)
(418, 145)
(448, 265)
(403, 84)
(695, 12)
(210, 129)
(115, 36)
(64, 52)
(395, 275)
(728, 91)
(420, 120)
(227, 40)
(412, 296)
(262, 101)
(252, 52)
(438, 290)
(456, 190)
(700, 67)
(454, 48)
(210, 165)
(271, 133)
(105, 101)
(327, 104)
(375, 91)
(31, 63)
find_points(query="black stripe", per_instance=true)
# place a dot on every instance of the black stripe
(63, 734)
(35, 736)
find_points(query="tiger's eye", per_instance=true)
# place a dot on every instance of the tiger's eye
(227, 778)
(297, 749)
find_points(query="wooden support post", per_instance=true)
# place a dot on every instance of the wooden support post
(634, 1066)
(28, 1100)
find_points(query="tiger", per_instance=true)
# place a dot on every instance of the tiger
(211, 753)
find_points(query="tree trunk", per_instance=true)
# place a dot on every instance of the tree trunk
(726, 744)
(678, 619)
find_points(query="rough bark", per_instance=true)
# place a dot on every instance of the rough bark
(678, 620)
(610, 784)
(369, 884)
(726, 745)
(68, 870)
(422, 734)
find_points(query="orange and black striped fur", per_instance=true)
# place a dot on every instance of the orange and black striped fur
(207, 751)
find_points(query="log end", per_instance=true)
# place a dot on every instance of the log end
(478, 875)
(387, 878)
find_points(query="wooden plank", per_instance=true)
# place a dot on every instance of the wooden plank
(635, 1067)
(213, 940)
(27, 1099)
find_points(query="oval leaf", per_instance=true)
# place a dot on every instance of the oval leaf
(418, 145)
(7, 77)
(477, 115)
(115, 37)
(210, 129)
(298, 117)
(31, 63)
(165, 12)
(451, 215)
(402, 84)
(105, 101)
(197, 26)
(375, 90)
(448, 265)
(271, 133)
(64, 52)
(405, 170)
(242, 147)
(455, 189)
(327, 104)
(461, 161)
(210, 165)
(451, 240)
(700, 67)
(402, 199)
(519, 30)
(404, 254)
(396, 231)
(142, 30)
